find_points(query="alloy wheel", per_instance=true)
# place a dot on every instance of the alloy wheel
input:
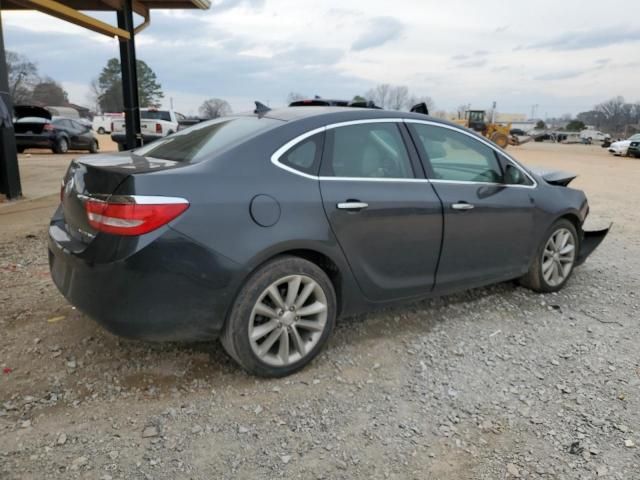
(558, 257)
(288, 320)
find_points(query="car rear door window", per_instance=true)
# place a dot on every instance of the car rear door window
(456, 156)
(305, 156)
(367, 150)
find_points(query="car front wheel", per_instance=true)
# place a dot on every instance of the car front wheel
(554, 260)
(282, 318)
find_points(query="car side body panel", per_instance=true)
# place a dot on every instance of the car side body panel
(180, 281)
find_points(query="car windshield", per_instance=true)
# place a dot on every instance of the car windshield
(206, 139)
(635, 138)
(155, 115)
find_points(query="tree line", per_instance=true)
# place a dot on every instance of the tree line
(28, 87)
(385, 95)
(614, 116)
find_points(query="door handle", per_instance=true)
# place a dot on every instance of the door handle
(352, 205)
(462, 206)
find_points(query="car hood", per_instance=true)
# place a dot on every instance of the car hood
(621, 143)
(21, 111)
(554, 177)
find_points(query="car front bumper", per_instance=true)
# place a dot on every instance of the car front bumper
(172, 289)
(618, 150)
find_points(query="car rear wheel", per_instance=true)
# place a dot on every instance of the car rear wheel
(20, 149)
(101, 131)
(93, 148)
(554, 260)
(61, 146)
(282, 318)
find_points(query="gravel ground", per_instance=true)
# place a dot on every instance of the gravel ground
(493, 383)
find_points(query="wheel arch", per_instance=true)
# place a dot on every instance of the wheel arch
(322, 259)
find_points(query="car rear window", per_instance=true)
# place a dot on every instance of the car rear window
(206, 139)
(155, 115)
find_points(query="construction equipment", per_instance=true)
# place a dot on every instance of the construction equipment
(497, 133)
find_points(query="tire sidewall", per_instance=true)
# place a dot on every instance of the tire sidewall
(236, 335)
(62, 142)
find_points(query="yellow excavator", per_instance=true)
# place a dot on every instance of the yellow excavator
(498, 134)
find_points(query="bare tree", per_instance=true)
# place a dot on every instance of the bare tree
(23, 76)
(379, 95)
(49, 92)
(214, 108)
(398, 97)
(295, 97)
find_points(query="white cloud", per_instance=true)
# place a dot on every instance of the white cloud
(455, 52)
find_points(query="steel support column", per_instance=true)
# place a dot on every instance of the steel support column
(129, 77)
(9, 171)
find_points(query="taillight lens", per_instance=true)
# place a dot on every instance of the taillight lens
(158, 128)
(134, 214)
(48, 127)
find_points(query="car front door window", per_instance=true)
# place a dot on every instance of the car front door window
(456, 156)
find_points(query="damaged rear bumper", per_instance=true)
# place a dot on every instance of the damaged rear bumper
(590, 241)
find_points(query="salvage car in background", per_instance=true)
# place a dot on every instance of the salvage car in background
(154, 124)
(263, 229)
(621, 147)
(35, 127)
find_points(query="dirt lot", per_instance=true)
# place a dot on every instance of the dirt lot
(494, 383)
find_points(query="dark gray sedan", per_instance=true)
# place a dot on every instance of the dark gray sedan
(263, 229)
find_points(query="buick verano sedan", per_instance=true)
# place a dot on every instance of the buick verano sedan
(263, 229)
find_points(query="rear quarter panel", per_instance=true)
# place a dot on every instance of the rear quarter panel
(220, 192)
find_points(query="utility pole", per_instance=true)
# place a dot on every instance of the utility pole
(9, 171)
(534, 110)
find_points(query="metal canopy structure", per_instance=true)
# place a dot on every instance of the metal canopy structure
(69, 10)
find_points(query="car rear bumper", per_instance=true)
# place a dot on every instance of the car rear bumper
(172, 289)
(34, 141)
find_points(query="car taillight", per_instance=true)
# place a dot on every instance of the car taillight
(158, 128)
(132, 214)
(48, 127)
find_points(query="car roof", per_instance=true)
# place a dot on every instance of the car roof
(341, 114)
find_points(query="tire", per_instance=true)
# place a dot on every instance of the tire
(94, 147)
(20, 149)
(303, 343)
(101, 131)
(500, 139)
(120, 147)
(539, 278)
(61, 146)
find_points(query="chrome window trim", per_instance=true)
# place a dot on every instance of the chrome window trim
(485, 142)
(275, 157)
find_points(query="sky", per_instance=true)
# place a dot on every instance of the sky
(559, 56)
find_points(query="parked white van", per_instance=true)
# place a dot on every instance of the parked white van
(594, 136)
(102, 123)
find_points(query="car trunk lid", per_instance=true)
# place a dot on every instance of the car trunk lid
(98, 177)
